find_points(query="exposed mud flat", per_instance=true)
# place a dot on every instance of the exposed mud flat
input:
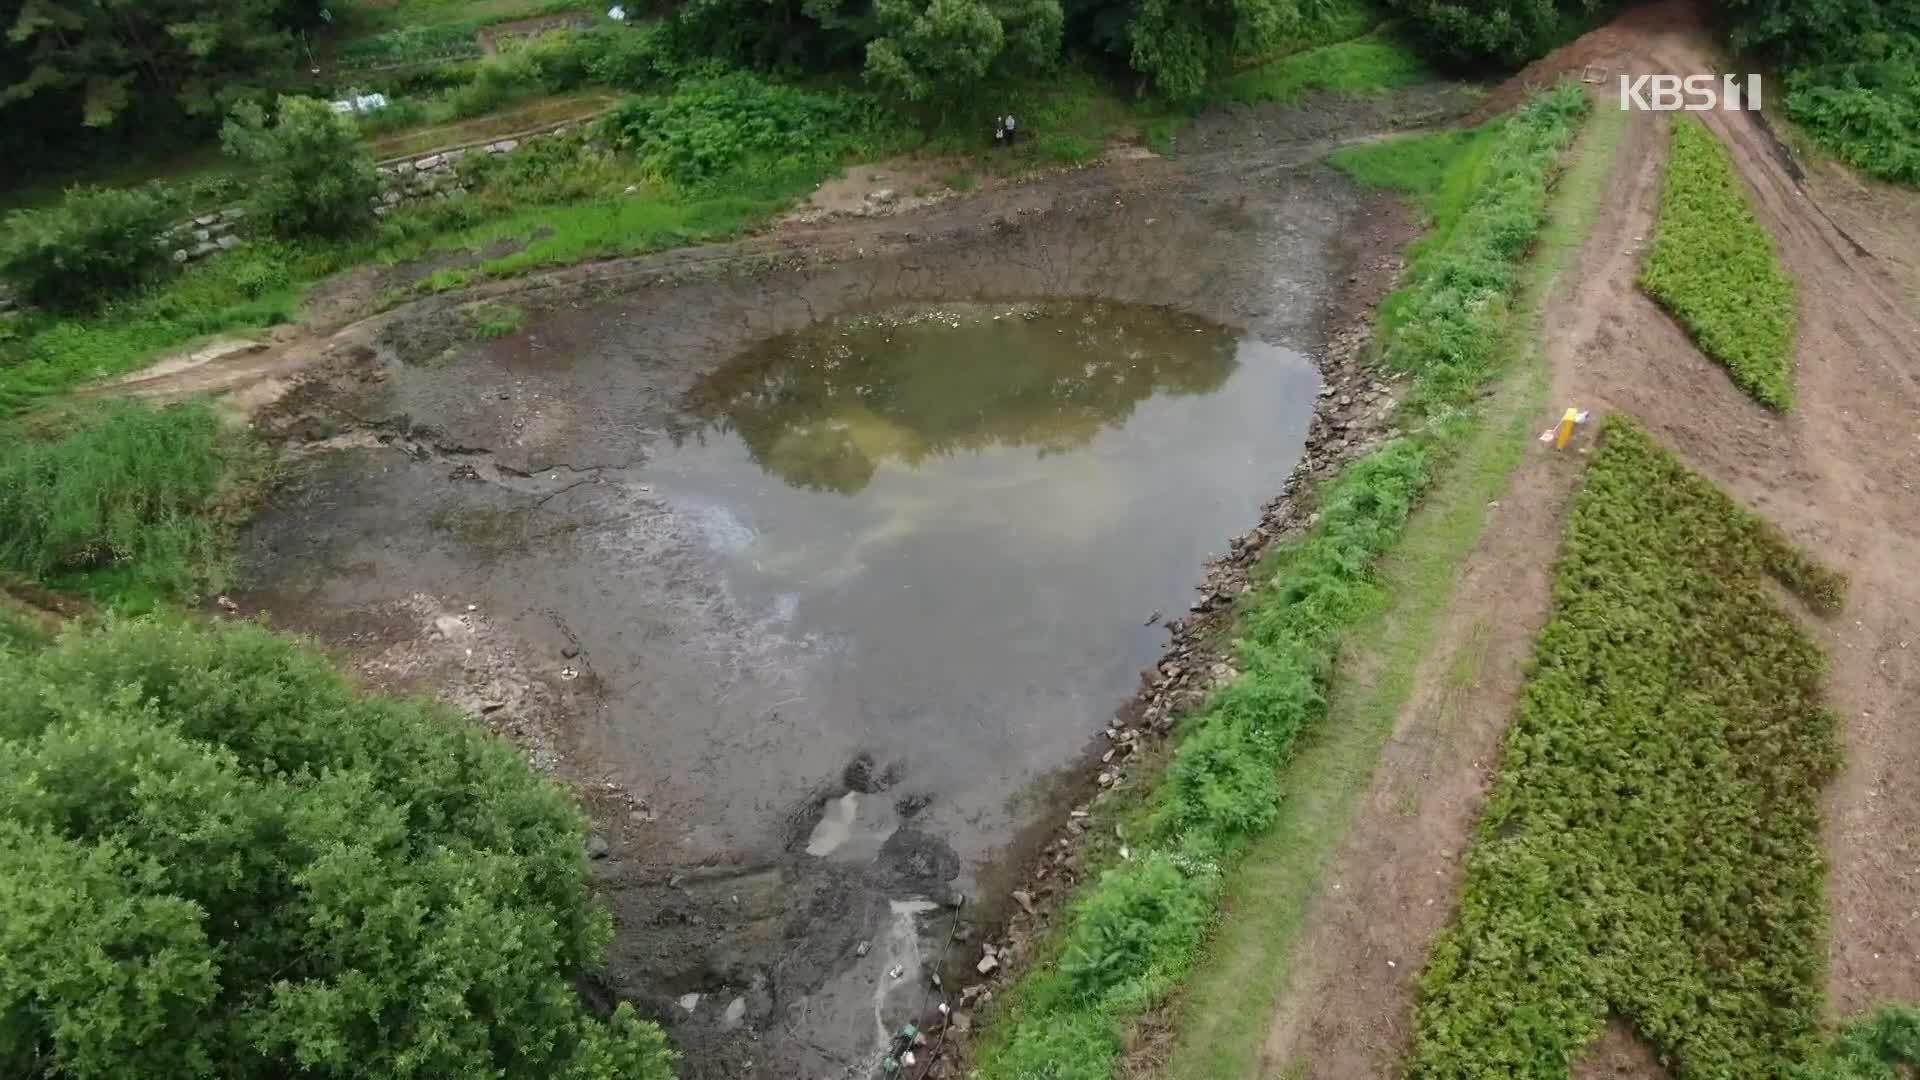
(587, 534)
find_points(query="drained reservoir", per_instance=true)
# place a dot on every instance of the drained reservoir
(818, 587)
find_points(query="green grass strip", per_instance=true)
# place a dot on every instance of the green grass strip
(1714, 267)
(1222, 1022)
(1652, 846)
(1131, 936)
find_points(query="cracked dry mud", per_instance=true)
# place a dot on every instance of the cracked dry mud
(491, 522)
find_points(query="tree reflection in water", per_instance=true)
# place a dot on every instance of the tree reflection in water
(822, 408)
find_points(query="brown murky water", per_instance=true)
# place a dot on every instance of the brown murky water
(942, 532)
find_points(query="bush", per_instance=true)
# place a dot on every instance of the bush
(1651, 848)
(1868, 121)
(315, 177)
(123, 486)
(737, 126)
(1508, 32)
(216, 859)
(97, 242)
(1715, 268)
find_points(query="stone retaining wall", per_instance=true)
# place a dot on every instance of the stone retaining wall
(404, 181)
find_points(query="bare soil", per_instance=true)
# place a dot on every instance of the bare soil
(1838, 474)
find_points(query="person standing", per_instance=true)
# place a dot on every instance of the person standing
(1011, 128)
(999, 132)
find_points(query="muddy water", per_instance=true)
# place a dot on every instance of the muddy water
(948, 528)
(930, 545)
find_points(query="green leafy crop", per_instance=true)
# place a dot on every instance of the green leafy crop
(1715, 268)
(1651, 848)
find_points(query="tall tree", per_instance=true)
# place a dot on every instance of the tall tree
(95, 62)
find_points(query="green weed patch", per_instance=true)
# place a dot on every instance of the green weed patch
(1885, 1045)
(1444, 324)
(1131, 937)
(1652, 847)
(118, 501)
(1362, 66)
(1715, 268)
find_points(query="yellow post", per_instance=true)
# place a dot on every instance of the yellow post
(1567, 423)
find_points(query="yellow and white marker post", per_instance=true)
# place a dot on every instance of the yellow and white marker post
(1560, 434)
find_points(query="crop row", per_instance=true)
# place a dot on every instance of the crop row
(1651, 849)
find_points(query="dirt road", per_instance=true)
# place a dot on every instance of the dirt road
(1841, 474)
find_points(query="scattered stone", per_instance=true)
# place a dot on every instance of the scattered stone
(597, 847)
(987, 965)
(206, 219)
(689, 1002)
(228, 242)
(736, 1012)
(1024, 899)
(429, 161)
(863, 948)
(961, 1023)
(896, 971)
(882, 197)
(570, 651)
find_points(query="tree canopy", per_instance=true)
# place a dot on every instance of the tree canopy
(216, 859)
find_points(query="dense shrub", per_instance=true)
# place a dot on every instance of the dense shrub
(315, 178)
(942, 48)
(1865, 114)
(1509, 32)
(216, 859)
(1651, 848)
(1715, 268)
(121, 486)
(95, 243)
(737, 126)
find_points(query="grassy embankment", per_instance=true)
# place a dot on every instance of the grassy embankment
(1221, 1021)
(1131, 938)
(122, 503)
(1651, 849)
(1715, 268)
